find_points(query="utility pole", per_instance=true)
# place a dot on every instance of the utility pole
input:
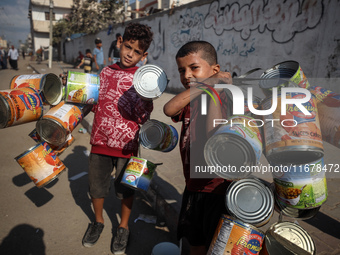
(51, 33)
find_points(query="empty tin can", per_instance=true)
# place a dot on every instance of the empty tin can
(328, 103)
(138, 173)
(282, 75)
(150, 81)
(156, 135)
(18, 106)
(301, 186)
(288, 238)
(82, 88)
(57, 149)
(59, 122)
(251, 201)
(234, 145)
(233, 236)
(49, 86)
(41, 164)
(295, 137)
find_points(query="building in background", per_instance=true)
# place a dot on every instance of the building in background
(39, 15)
(143, 8)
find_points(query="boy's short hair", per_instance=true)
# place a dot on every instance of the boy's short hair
(88, 51)
(208, 52)
(97, 41)
(140, 32)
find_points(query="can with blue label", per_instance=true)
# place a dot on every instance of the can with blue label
(156, 135)
(138, 173)
(295, 137)
(235, 144)
(233, 236)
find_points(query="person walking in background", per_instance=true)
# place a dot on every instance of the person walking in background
(114, 137)
(115, 47)
(3, 58)
(98, 56)
(87, 62)
(13, 57)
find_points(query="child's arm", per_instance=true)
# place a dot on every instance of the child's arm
(177, 103)
(81, 63)
(215, 111)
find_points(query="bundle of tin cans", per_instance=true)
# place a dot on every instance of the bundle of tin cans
(56, 109)
(294, 149)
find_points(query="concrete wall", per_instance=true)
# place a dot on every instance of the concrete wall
(246, 34)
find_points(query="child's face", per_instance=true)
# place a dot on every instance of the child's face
(193, 66)
(88, 54)
(131, 54)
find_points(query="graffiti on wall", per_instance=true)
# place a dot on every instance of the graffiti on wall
(243, 49)
(282, 18)
(157, 46)
(190, 29)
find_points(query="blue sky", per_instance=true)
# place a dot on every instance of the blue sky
(14, 24)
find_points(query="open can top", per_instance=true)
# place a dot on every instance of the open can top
(289, 237)
(150, 81)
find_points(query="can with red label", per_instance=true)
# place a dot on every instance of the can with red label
(41, 164)
(18, 106)
(235, 237)
(295, 137)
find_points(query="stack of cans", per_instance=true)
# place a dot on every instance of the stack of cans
(56, 110)
(293, 143)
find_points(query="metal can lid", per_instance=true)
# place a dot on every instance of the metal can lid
(51, 131)
(279, 74)
(292, 237)
(150, 81)
(151, 134)
(250, 200)
(5, 112)
(52, 89)
(227, 149)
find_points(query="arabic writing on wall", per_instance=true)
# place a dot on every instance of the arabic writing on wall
(283, 19)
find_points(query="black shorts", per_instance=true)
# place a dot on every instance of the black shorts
(199, 217)
(100, 170)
